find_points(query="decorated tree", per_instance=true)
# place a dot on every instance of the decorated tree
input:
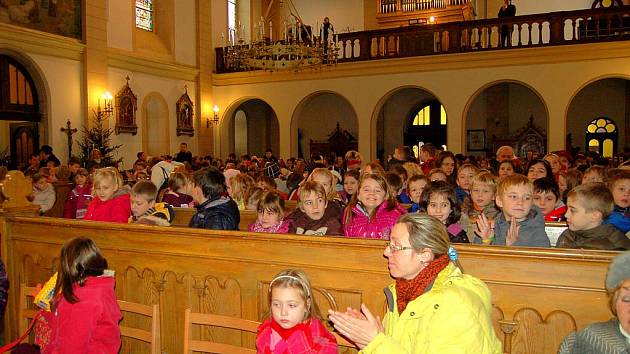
(98, 137)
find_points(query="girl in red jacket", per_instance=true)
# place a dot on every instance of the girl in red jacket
(111, 201)
(85, 312)
(294, 326)
(79, 197)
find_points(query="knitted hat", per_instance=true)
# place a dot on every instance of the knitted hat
(272, 170)
(618, 271)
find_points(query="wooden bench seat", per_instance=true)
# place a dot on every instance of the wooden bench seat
(539, 295)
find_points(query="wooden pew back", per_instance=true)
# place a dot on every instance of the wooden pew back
(539, 295)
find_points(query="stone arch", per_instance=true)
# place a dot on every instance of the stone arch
(263, 128)
(41, 85)
(155, 124)
(504, 118)
(406, 100)
(334, 106)
(603, 96)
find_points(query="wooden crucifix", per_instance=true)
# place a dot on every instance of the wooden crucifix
(69, 131)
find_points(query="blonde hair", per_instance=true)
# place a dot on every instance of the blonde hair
(110, 173)
(412, 168)
(594, 197)
(332, 194)
(485, 178)
(179, 180)
(297, 279)
(309, 187)
(468, 166)
(513, 180)
(241, 186)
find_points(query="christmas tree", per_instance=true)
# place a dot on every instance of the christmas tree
(98, 137)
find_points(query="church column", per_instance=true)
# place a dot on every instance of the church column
(96, 61)
(205, 97)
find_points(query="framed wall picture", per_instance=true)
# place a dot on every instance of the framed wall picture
(475, 140)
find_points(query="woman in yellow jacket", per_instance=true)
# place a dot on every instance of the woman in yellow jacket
(432, 306)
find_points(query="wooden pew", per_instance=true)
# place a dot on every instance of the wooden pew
(539, 295)
(183, 215)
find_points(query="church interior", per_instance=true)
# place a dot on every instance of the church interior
(245, 76)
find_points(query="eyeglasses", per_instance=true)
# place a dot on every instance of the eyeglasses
(394, 248)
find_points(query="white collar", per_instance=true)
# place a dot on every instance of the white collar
(625, 334)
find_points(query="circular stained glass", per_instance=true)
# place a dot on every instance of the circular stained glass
(600, 130)
(591, 128)
(601, 122)
(606, 3)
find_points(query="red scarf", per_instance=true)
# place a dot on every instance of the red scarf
(408, 290)
(286, 333)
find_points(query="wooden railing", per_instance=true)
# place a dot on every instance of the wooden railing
(539, 295)
(538, 30)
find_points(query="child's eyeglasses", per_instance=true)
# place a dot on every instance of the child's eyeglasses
(394, 248)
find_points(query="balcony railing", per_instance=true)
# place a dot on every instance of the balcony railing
(539, 30)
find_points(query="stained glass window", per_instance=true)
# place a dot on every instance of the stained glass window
(601, 136)
(144, 14)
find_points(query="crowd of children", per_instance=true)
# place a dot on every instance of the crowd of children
(479, 201)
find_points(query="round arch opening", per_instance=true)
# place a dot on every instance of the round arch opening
(324, 123)
(251, 126)
(506, 113)
(410, 116)
(597, 118)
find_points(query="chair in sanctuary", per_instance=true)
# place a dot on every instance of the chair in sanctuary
(206, 319)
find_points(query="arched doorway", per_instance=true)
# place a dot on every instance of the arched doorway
(20, 113)
(598, 117)
(324, 123)
(251, 126)
(506, 113)
(409, 116)
(155, 124)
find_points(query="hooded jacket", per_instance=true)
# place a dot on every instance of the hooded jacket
(220, 213)
(452, 316)
(161, 214)
(77, 202)
(619, 218)
(311, 337)
(117, 209)
(531, 233)
(89, 325)
(602, 237)
(378, 227)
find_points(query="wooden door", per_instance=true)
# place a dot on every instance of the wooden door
(24, 141)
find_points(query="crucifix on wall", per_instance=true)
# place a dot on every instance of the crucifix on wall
(69, 132)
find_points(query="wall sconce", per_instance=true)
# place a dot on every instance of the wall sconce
(107, 108)
(215, 119)
(432, 19)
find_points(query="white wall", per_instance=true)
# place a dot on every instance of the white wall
(120, 24)
(64, 79)
(186, 32)
(343, 14)
(143, 85)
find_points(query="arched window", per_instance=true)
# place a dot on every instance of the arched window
(601, 136)
(427, 124)
(144, 15)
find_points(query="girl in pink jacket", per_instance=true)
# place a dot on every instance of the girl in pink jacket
(373, 210)
(294, 324)
(85, 313)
